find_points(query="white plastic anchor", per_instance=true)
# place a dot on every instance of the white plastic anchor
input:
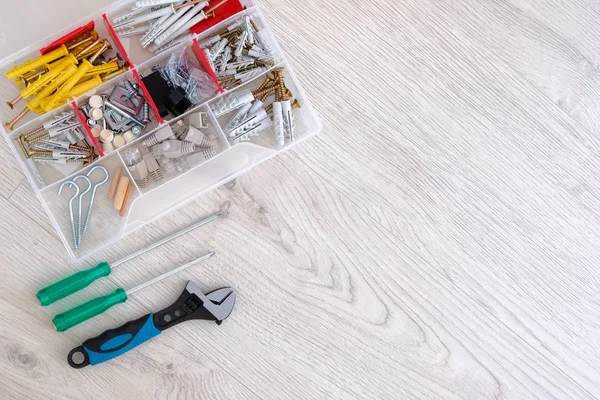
(288, 119)
(164, 26)
(174, 29)
(179, 39)
(232, 102)
(210, 41)
(250, 74)
(249, 123)
(238, 117)
(136, 20)
(240, 44)
(128, 30)
(216, 50)
(153, 3)
(278, 122)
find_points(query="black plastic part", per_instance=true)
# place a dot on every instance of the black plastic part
(86, 359)
(187, 306)
(159, 91)
(177, 103)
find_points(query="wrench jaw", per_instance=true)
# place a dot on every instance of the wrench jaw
(225, 299)
(194, 304)
(219, 302)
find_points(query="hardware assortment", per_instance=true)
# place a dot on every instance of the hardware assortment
(58, 141)
(68, 70)
(251, 116)
(162, 23)
(118, 117)
(239, 54)
(78, 225)
(218, 75)
(218, 62)
(192, 304)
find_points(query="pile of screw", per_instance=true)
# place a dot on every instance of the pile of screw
(119, 117)
(252, 116)
(240, 53)
(68, 71)
(58, 141)
(162, 23)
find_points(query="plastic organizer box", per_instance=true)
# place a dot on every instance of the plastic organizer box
(158, 198)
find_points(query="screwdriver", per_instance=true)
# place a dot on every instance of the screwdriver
(83, 279)
(97, 306)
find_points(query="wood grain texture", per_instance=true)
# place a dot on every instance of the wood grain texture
(437, 241)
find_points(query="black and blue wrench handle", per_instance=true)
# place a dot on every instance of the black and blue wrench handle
(114, 342)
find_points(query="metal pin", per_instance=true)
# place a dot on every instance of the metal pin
(74, 45)
(79, 201)
(93, 196)
(124, 114)
(72, 184)
(82, 52)
(101, 50)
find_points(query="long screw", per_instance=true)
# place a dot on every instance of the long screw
(22, 146)
(14, 101)
(10, 125)
(212, 9)
(33, 132)
(74, 45)
(87, 49)
(267, 90)
(37, 139)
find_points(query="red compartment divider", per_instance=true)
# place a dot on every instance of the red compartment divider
(148, 97)
(204, 61)
(71, 35)
(115, 37)
(231, 7)
(87, 128)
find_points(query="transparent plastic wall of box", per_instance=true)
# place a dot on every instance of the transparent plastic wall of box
(150, 203)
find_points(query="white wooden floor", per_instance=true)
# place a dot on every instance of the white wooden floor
(439, 240)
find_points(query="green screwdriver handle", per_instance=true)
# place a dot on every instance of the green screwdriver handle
(72, 284)
(88, 310)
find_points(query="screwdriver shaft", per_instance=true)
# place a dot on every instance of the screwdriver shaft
(171, 272)
(167, 239)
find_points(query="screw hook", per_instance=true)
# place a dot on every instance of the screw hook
(72, 184)
(93, 196)
(79, 201)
